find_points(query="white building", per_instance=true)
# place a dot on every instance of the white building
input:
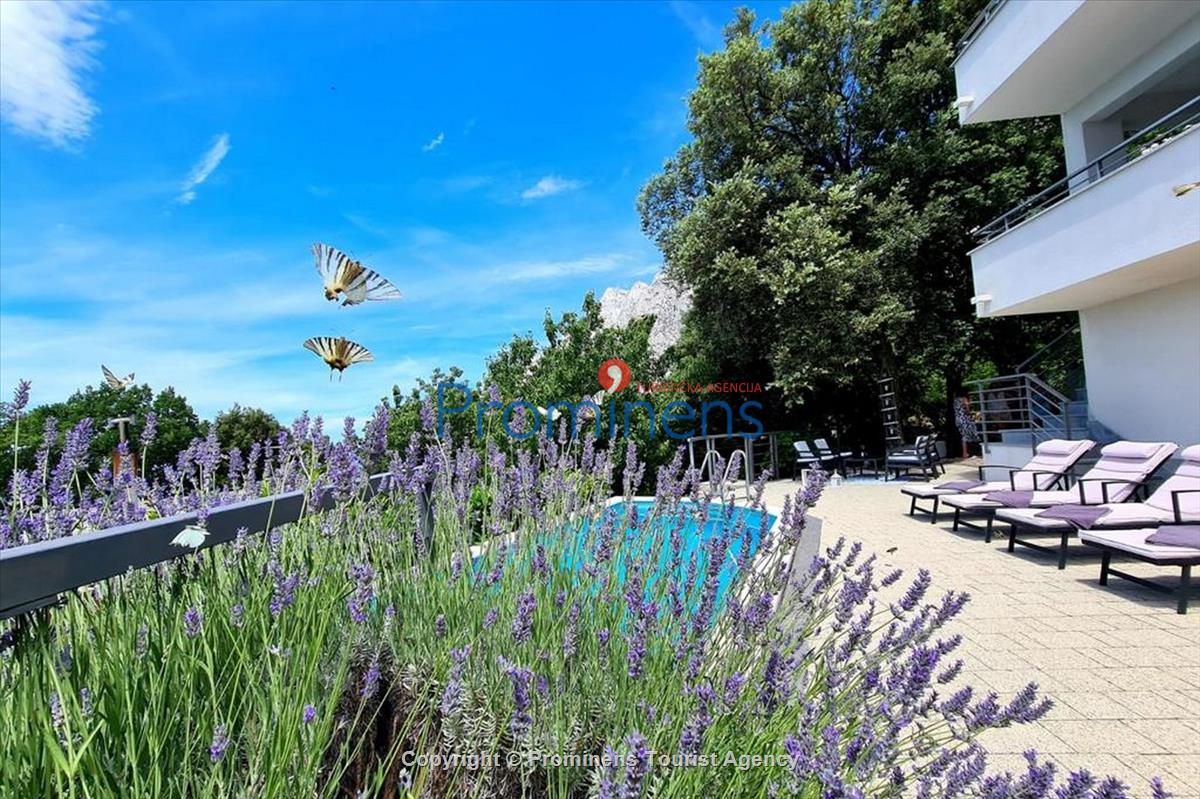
(1119, 239)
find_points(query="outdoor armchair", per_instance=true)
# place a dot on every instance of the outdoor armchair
(807, 458)
(921, 455)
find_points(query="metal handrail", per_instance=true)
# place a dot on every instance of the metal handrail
(1095, 169)
(1023, 366)
(1021, 403)
(986, 15)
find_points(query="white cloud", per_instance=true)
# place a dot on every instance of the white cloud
(692, 15)
(45, 52)
(204, 168)
(435, 142)
(548, 270)
(548, 186)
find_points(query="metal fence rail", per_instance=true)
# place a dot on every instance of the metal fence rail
(34, 575)
(1020, 406)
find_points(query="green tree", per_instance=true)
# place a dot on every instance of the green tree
(177, 425)
(822, 212)
(244, 427)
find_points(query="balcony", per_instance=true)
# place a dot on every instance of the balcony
(1120, 225)
(1023, 58)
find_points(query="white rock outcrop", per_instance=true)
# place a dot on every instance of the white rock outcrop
(661, 298)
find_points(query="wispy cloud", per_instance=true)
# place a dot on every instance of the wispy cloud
(365, 224)
(692, 15)
(45, 52)
(549, 186)
(204, 168)
(434, 143)
(548, 270)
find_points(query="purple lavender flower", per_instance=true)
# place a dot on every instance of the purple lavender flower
(522, 626)
(309, 715)
(733, 687)
(571, 633)
(521, 720)
(20, 399)
(236, 614)
(149, 429)
(490, 618)
(371, 680)
(357, 603)
(284, 592)
(428, 417)
(220, 742)
(193, 622)
(637, 765)
(692, 737)
(452, 696)
(439, 626)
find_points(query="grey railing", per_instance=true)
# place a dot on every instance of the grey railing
(978, 24)
(35, 575)
(1022, 407)
(1137, 146)
(757, 454)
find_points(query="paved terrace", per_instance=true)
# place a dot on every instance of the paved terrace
(1122, 667)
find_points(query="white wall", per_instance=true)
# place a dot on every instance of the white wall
(1084, 139)
(1142, 356)
(1125, 233)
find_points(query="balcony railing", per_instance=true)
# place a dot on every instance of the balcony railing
(978, 24)
(1137, 146)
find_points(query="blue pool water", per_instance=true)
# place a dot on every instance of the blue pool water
(747, 522)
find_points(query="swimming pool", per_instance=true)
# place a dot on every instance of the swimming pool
(746, 528)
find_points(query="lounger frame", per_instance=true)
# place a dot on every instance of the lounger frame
(1064, 543)
(1182, 592)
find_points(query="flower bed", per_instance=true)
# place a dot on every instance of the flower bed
(353, 654)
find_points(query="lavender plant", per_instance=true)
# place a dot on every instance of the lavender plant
(593, 646)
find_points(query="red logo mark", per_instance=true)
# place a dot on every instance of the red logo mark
(614, 375)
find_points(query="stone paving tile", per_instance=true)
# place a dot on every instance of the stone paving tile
(1121, 666)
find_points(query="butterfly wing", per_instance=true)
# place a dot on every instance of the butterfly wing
(330, 260)
(112, 380)
(323, 346)
(368, 284)
(356, 353)
(191, 536)
(129, 379)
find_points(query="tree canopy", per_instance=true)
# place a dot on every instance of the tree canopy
(176, 425)
(822, 212)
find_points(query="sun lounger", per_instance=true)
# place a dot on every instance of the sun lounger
(1123, 469)
(1177, 500)
(1134, 544)
(1049, 467)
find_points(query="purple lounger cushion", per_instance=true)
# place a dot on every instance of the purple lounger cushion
(1081, 517)
(961, 485)
(1177, 535)
(1011, 499)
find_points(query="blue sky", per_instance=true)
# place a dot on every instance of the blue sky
(164, 169)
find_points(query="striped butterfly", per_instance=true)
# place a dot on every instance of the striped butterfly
(191, 536)
(341, 274)
(338, 353)
(114, 381)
